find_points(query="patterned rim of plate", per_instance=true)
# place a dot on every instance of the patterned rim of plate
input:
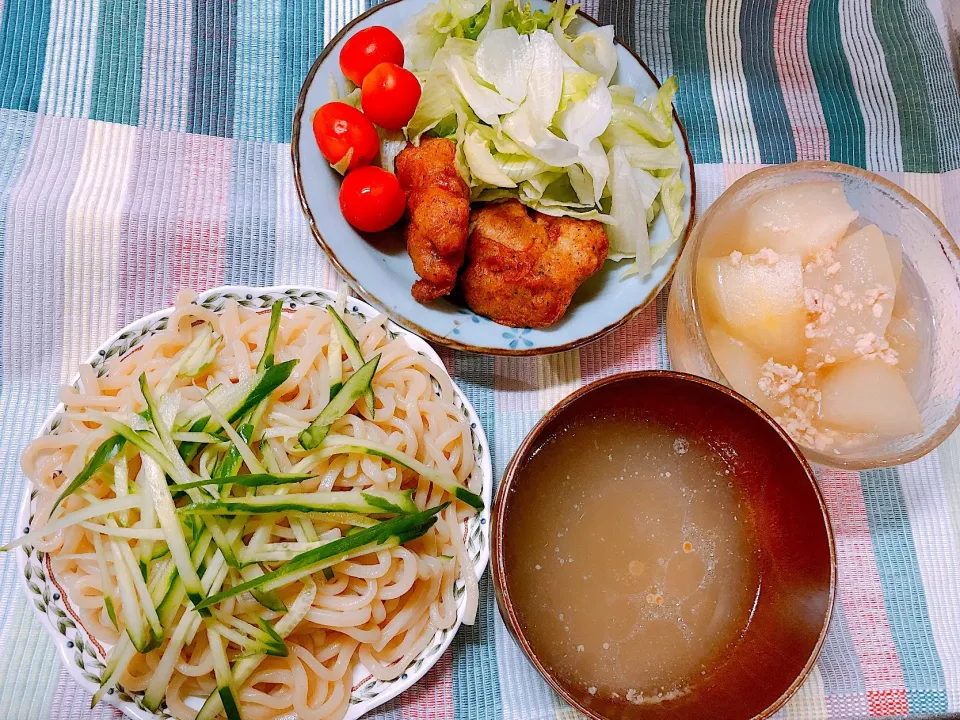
(407, 322)
(82, 656)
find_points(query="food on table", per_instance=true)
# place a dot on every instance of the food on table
(800, 219)
(389, 95)
(439, 210)
(366, 49)
(233, 510)
(809, 311)
(523, 267)
(346, 137)
(632, 560)
(536, 118)
(868, 394)
(371, 199)
(525, 111)
(862, 283)
(760, 300)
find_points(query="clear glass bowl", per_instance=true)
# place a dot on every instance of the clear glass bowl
(929, 254)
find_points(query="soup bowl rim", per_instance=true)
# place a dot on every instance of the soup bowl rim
(505, 604)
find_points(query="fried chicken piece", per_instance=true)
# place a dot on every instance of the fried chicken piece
(523, 267)
(438, 210)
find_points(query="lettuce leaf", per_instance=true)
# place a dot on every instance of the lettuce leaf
(503, 60)
(629, 237)
(486, 102)
(482, 163)
(525, 20)
(576, 87)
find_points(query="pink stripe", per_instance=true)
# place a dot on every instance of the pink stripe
(516, 375)
(632, 347)
(201, 230)
(797, 81)
(862, 596)
(432, 697)
(446, 355)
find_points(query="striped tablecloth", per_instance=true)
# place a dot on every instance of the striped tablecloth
(144, 147)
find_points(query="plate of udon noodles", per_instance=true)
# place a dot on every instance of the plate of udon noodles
(258, 503)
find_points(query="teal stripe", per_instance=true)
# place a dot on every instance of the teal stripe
(903, 591)
(117, 71)
(23, 43)
(774, 134)
(476, 680)
(257, 70)
(301, 40)
(918, 138)
(212, 68)
(694, 102)
(927, 100)
(841, 109)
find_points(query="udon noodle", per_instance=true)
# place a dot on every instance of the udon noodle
(380, 609)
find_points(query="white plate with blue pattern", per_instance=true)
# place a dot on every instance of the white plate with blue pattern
(382, 273)
(83, 656)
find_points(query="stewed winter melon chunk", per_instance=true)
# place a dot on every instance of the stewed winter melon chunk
(904, 340)
(895, 251)
(760, 300)
(741, 365)
(851, 297)
(801, 219)
(868, 396)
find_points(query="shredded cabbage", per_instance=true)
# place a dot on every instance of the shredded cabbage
(535, 117)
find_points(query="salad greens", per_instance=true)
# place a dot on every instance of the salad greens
(535, 117)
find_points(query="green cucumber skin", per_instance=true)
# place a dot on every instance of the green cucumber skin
(470, 498)
(403, 529)
(266, 360)
(226, 507)
(273, 377)
(111, 612)
(339, 405)
(269, 600)
(107, 450)
(230, 708)
(352, 346)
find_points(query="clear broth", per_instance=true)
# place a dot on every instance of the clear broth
(632, 565)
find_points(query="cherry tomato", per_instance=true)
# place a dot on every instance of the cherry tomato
(339, 127)
(390, 95)
(371, 199)
(367, 49)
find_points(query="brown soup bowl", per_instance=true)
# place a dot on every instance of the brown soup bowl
(791, 532)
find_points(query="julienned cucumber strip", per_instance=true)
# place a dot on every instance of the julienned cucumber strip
(231, 461)
(340, 444)
(266, 360)
(255, 480)
(106, 452)
(340, 405)
(265, 383)
(170, 524)
(105, 507)
(244, 667)
(221, 669)
(351, 501)
(352, 347)
(391, 532)
(272, 378)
